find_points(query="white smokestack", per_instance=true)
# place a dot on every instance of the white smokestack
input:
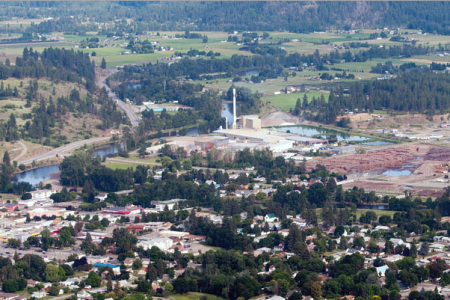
(234, 109)
(226, 123)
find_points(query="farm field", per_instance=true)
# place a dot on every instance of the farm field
(288, 101)
(306, 44)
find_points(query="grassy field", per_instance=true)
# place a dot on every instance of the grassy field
(359, 212)
(194, 296)
(379, 212)
(306, 44)
(288, 101)
(121, 166)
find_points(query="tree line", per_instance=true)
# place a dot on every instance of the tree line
(290, 16)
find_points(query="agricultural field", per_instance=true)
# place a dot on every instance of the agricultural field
(288, 101)
(306, 44)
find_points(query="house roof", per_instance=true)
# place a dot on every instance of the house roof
(271, 215)
(382, 269)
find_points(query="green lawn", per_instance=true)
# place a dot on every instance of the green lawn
(288, 101)
(359, 212)
(121, 166)
(379, 212)
(194, 296)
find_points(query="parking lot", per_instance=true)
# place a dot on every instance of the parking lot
(50, 254)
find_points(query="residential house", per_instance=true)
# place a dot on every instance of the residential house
(270, 218)
(299, 222)
(262, 250)
(32, 283)
(279, 247)
(9, 296)
(38, 295)
(393, 258)
(128, 261)
(83, 295)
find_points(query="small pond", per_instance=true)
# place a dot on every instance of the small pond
(313, 131)
(105, 150)
(397, 173)
(37, 175)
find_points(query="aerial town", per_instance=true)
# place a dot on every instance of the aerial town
(224, 150)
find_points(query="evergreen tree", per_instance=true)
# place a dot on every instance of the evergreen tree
(298, 107)
(109, 284)
(103, 64)
(6, 158)
(413, 250)
(151, 274)
(424, 249)
(305, 102)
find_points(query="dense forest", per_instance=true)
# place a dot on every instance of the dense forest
(227, 16)
(54, 63)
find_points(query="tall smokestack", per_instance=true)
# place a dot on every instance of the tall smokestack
(226, 123)
(234, 109)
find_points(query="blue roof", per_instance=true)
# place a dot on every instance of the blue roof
(100, 265)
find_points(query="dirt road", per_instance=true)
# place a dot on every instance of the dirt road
(24, 150)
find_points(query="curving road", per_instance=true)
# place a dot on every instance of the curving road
(24, 150)
(60, 151)
(122, 105)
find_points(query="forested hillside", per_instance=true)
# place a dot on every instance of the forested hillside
(417, 90)
(226, 16)
(42, 93)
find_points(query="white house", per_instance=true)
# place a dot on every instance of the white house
(83, 295)
(38, 295)
(270, 218)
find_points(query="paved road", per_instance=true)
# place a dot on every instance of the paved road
(59, 151)
(122, 105)
(24, 150)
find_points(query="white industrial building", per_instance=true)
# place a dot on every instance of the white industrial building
(42, 194)
(161, 205)
(163, 244)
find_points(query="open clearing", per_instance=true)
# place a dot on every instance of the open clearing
(288, 101)
(194, 296)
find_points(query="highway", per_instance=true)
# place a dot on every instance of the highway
(122, 105)
(60, 151)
